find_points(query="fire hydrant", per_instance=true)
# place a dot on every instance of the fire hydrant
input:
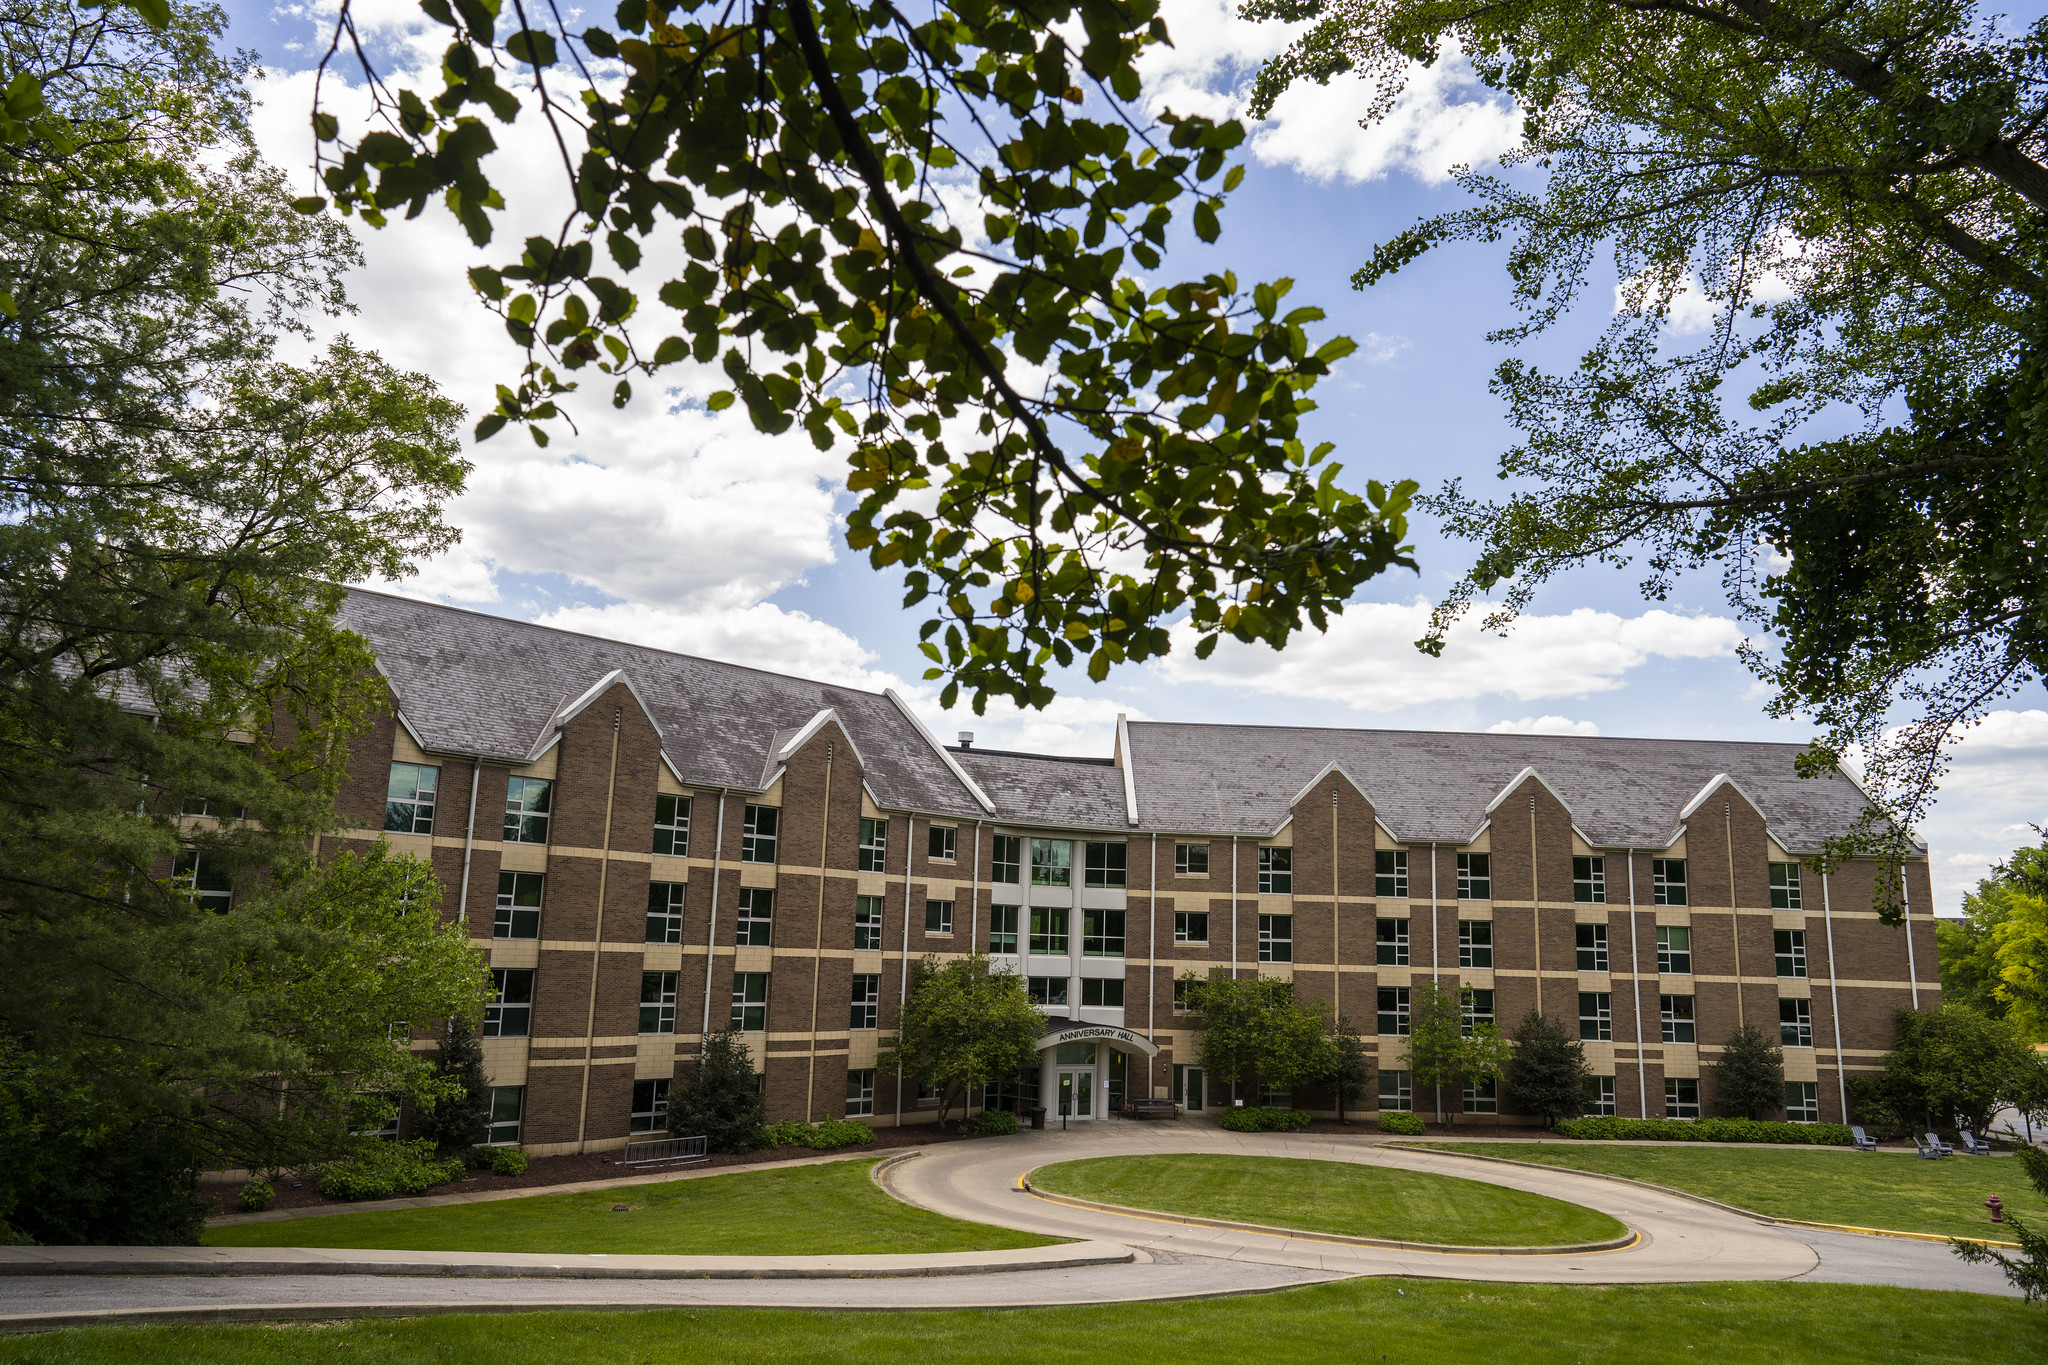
(1997, 1209)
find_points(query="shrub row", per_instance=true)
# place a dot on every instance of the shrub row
(1707, 1130)
(380, 1169)
(499, 1160)
(1408, 1125)
(824, 1137)
(1252, 1119)
(991, 1121)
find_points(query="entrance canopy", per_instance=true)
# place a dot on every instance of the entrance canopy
(1059, 1031)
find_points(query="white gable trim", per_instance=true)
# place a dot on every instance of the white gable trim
(1334, 767)
(1519, 779)
(945, 756)
(811, 728)
(598, 689)
(1123, 752)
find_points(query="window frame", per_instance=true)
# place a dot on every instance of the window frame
(755, 909)
(421, 797)
(1788, 946)
(1667, 879)
(942, 843)
(671, 825)
(665, 902)
(503, 1098)
(760, 833)
(511, 1002)
(1184, 926)
(1668, 955)
(1390, 873)
(1185, 856)
(1392, 1006)
(1675, 1018)
(1785, 889)
(864, 1009)
(1796, 1031)
(508, 916)
(1042, 991)
(649, 1113)
(1470, 947)
(873, 854)
(1590, 947)
(213, 891)
(1051, 931)
(1390, 940)
(938, 917)
(1599, 1097)
(1475, 876)
(1681, 1097)
(1807, 1110)
(1102, 933)
(1003, 931)
(1482, 1097)
(1401, 1093)
(1276, 870)
(1006, 871)
(1596, 1013)
(869, 915)
(1056, 866)
(1589, 881)
(1106, 865)
(747, 1004)
(1276, 938)
(1103, 987)
(860, 1092)
(658, 1003)
(1475, 1009)
(523, 816)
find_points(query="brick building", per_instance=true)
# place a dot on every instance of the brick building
(649, 845)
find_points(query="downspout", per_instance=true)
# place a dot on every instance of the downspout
(818, 934)
(1535, 903)
(604, 867)
(903, 991)
(1336, 943)
(974, 897)
(1734, 912)
(711, 935)
(1906, 901)
(1635, 968)
(1827, 915)
(1233, 907)
(476, 768)
(1435, 971)
(1152, 968)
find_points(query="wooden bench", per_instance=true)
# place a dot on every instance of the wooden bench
(1154, 1109)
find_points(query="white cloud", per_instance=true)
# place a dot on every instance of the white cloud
(1687, 312)
(1993, 793)
(760, 635)
(1369, 662)
(1543, 725)
(1378, 347)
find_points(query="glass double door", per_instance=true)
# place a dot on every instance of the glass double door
(1076, 1093)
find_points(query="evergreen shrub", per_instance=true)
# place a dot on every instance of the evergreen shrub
(824, 1137)
(257, 1194)
(1707, 1130)
(503, 1160)
(380, 1169)
(1253, 1119)
(994, 1122)
(1407, 1125)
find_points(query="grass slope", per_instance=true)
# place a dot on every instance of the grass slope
(1825, 1185)
(832, 1209)
(1330, 1196)
(1415, 1322)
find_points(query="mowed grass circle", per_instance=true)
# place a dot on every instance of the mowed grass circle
(1331, 1196)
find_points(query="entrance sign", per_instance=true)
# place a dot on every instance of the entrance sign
(1081, 1033)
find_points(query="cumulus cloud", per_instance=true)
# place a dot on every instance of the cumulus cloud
(1992, 796)
(1543, 725)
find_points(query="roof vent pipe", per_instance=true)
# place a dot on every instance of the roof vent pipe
(967, 739)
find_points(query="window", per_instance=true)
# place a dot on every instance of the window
(1002, 929)
(1802, 1102)
(409, 798)
(1391, 937)
(528, 801)
(750, 1002)
(1190, 926)
(939, 845)
(1276, 872)
(867, 1001)
(755, 926)
(507, 1103)
(1007, 854)
(1475, 943)
(665, 912)
(1676, 1012)
(1102, 932)
(860, 1090)
(1795, 1023)
(510, 1011)
(1589, 881)
(672, 826)
(1483, 1098)
(1052, 862)
(1667, 882)
(1592, 947)
(1180, 995)
(1276, 1096)
(518, 913)
(1475, 1008)
(657, 1002)
(1390, 873)
(1394, 1011)
(1596, 1016)
(1190, 860)
(1681, 1099)
(1047, 990)
(211, 888)
(938, 917)
(1475, 876)
(1791, 949)
(1785, 886)
(1396, 1095)
(874, 846)
(867, 923)
(1674, 950)
(650, 1107)
(1106, 992)
(758, 825)
(1105, 865)
(1276, 938)
(1048, 929)
(1600, 1097)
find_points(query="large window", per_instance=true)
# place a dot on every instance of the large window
(665, 912)
(1390, 873)
(1676, 1013)
(1681, 1099)
(1393, 1011)
(1002, 929)
(1592, 947)
(874, 845)
(1802, 1102)
(672, 826)
(1102, 992)
(1048, 929)
(518, 912)
(1596, 1016)
(1006, 859)
(1475, 876)
(1047, 990)
(867, 1001)
(1390, 942)
(1600, 1097)
(939, 843)
(1276, 871)
(1667, 881)
(1475, 943)
(1475, 1009)
(1276, 938)
(1790, 946)
(1795, 1023)
(1105, 865)
(750, 1002)
(508, 1103)
(409, 798)
(211, 888)
(938, 917)
(1181, 986)
(755, 927)
(1674, 950)
(650, 1107)
(528, 802)
(860, 1092)
(1052, 862)
(1396, 1093)
(867, 923)
(1190, 860)
(1190, 926)
(1589, 881)
(1102, 932)
(657, 1002)
(1482, 1097)
(1785, 886)
(758, 827)
(509, 1013)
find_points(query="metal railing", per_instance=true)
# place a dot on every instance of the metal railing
(665, 1151)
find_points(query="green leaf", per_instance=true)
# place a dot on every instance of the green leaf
(326, 127)
(532, 47)
(310, 204)
(720, 401)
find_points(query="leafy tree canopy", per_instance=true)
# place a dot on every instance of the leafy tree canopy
(1956, 1064)
(964, 1025)
(1254, 1028)
(1749, 1075)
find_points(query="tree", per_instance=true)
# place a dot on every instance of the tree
(1253, 1027)
(721, 1101)
(1436, 1038)
(1749, 1075)
(1954, 1065)
(1995, 959)
(1846, 204)
(964, 1025)
(461, 1114)
(1351, 1069)
(1548, 1076)
(2028, 1271)
(916, 238)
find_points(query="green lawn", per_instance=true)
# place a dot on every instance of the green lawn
(1824, 1185)
(1416, 1322)
(832, 1209)
(1330, 1196)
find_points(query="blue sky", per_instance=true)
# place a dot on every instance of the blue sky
(686, 532)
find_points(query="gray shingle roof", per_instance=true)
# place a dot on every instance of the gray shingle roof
(1029, 788)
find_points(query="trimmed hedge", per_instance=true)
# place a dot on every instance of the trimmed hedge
(1707, 1130)
(823, 1137)
(381, 1169)
(1253, 1119)
(994, 1122)
(1407, 1125)
(501, 1160)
